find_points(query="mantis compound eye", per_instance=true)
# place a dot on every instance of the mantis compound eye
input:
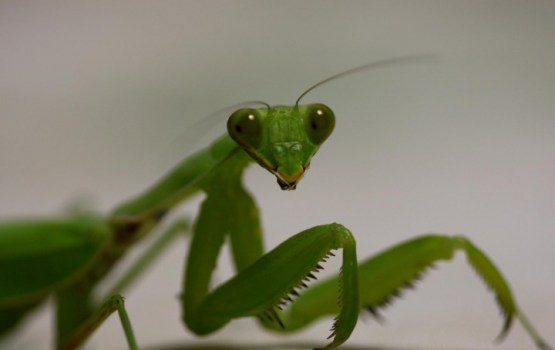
(245, 127)
(320, 122)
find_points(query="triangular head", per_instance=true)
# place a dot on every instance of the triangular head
(282, 139)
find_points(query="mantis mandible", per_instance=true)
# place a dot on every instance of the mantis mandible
(67, 257)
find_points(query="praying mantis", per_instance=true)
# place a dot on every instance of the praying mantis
(66, 257)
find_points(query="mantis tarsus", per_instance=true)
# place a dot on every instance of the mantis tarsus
(67, 257)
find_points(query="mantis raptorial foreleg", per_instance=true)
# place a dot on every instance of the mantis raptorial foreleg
(294, 261)
(227, 209)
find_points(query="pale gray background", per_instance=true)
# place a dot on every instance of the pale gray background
(94, 98)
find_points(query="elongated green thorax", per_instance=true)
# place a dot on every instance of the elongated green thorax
(282, 139)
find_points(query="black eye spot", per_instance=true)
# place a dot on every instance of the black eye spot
(313, 125)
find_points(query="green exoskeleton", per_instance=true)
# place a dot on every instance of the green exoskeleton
(67, 257)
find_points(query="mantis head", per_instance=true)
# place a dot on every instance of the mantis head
(282, 139)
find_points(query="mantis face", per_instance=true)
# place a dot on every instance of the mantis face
(282, 139)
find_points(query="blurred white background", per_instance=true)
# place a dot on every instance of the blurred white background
(93, 96)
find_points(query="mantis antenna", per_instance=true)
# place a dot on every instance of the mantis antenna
(424, 58)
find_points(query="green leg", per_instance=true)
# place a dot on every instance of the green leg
(383, 276)
(208, 237)
(228, 209)
(269, 282)
(114, 303)
(245, 230)
(263, 282)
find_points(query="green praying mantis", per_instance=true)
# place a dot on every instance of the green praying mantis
(66, 257)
